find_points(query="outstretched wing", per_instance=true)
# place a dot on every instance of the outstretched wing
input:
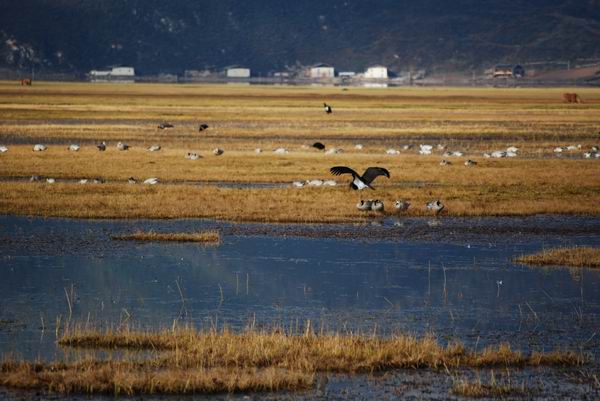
(338, 170)
(373, 172)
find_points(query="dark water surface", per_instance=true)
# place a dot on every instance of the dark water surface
(453, 277)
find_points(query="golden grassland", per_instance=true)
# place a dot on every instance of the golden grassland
(243, 118)
(184, 360)
(572, 257)
(210, 236)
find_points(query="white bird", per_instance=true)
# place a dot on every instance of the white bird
(131, 180)
(98, 180)
(39, 147)
(3, 149)
(470, 163)
(329, 183)
(280, 151)
(392, 151)
(511, 154)
(153, 148)
(487, 155)
(192, 156)
(83, 181)
(364, 205)
(314, 183)
(297, 184)
(122, 146)
(218, 151)
(407, 147)
(498, 154)
(327, 108)
(50, 180)
(74, 147)
(435, 206)
(401, 205)
(512, 149)
(425, 149)
(258, 151)
(558, 149)
(573, 147)
(440, 146)
(333, 151)
(358, 146)
(457, 153)
(101, 146)
(588, 155)
(151, 181)
(377, 206)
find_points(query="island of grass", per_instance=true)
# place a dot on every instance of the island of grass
(188, 361)
(208, 236)
(572, 257)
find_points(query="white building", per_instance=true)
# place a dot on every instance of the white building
(116, 73)
(376, 72)
(322, 71)
(238, 72)
(347, 74)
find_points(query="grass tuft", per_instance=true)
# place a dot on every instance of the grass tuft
(572, 257)
(211, 236)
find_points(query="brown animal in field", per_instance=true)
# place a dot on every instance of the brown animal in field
(26, 82)
(572, 98)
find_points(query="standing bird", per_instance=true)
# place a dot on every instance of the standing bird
(327, 108)
(361, 181)
(101, 146)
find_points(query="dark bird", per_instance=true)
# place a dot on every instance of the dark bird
(202, 127)
(101, 146)
(327, 108)
(361, 181)
(165, 125)
(318, 145)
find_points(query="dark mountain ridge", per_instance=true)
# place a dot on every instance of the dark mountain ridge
(267, 35)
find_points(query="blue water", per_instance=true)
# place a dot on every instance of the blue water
(454, 279)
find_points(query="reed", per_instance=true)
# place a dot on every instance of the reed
(208, 236)
(572, 257)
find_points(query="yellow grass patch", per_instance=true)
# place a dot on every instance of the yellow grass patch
(573, 257)
(211, 236)
(190, 361)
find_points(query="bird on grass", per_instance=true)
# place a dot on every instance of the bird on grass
(402, 205)
(318, 145)
(165, 125)
(361, 181)
(202, 127)
(101, 146)
(435, 206)
(327, 108)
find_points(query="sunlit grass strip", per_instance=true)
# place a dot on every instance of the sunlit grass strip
(209, 236)
(184, 360)
(572, 257)
(125, 378)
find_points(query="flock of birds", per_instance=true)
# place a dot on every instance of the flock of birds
(359, 181)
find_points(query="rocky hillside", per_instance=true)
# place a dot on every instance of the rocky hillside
(171, 36)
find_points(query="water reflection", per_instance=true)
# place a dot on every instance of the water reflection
(455, 286)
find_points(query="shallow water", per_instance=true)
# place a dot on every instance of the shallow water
(452, 277)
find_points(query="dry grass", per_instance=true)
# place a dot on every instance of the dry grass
(572, 257)
(210, 236)
(190, 361)
(241, 119)
(493, 389)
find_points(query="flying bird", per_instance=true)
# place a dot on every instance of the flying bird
(202, 127)
(327, 108)
(361, 181)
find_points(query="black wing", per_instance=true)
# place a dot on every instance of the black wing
(318, 145)
(373, 172)
(338, 170)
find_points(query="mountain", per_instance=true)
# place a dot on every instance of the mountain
(268, 35)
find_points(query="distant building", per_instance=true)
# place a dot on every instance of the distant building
(322, 71)
(238, 72)
(376, 72)
(347, 74)
(114, 74)
(508, 71)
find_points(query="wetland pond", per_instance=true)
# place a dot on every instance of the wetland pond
(453, 277)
